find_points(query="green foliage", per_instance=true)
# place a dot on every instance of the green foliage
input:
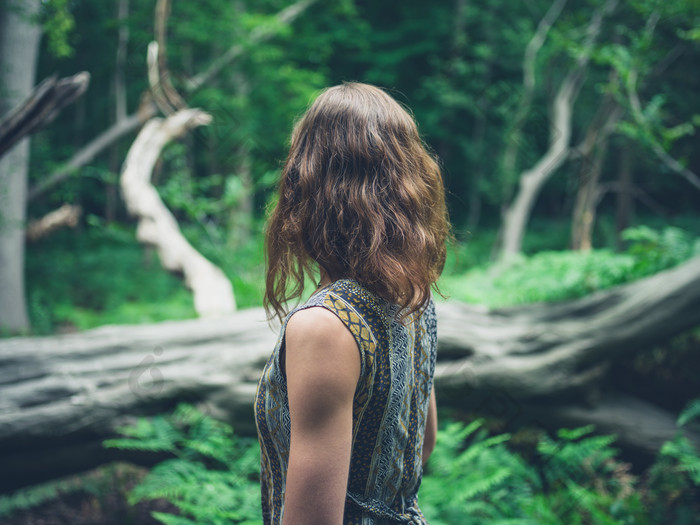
(100, 277)
(481, 482)
(58, 23)
(559, 275)
(674, 480)
(655, 250)
(35, 496)
(213, 476)
(529, 478)
(100, 491)
(546, 276)
(573, 479)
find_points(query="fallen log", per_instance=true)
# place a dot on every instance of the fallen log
(213, 293)
(61, 395)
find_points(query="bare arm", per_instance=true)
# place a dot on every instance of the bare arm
(430, 428)
(322, 364)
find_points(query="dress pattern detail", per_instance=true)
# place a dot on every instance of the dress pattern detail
(389, 408)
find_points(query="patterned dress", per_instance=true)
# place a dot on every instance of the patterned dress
(389, 408)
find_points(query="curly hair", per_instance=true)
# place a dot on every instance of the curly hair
(361, 197)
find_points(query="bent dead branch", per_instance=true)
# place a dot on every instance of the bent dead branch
(148, 109)
(40, 108)
(213, 293)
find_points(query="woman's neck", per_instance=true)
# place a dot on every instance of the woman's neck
(324, 279)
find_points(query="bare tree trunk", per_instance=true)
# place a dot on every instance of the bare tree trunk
(40, 107)
(240, 220)
(587, 198)
(19, 47)
(514, 135)
(213, 294)
(625, 202)
(593, 152)
(120, 103)
(517, 214)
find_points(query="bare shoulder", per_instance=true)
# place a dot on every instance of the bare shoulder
(319, 344)
(318, 325)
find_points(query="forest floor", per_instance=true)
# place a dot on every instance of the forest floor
(100, 498)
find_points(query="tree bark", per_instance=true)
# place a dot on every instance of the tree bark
(40, 107)
(213, 293)
(66, 215)
(62, 394)
(514, 142)
(120, 105)
(624, 210)
(19, 47)
(593, 153)
(587, 197)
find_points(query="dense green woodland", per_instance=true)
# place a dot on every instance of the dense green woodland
(457, 65)
(606, 89)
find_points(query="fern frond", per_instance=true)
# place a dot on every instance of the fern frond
(691, 412)
(171, 519)
(34, 496)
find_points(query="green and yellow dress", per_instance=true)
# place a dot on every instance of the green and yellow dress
(389, 408)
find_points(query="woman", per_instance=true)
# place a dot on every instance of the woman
(345, 407)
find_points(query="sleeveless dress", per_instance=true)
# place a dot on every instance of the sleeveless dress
(390, 407)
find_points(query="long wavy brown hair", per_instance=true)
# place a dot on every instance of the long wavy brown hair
(362, 198)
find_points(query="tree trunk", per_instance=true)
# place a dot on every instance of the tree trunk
(530, 183)
(625, 203)
(514, 142)
(19, 47)
(587, 198)
(240, 218)
(40, 107)
(61, 395)
(120, 105)
(213, 293)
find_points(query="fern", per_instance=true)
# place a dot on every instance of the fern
(211, 478)
(101, 487)
(34, 496)
(472, 477)
(680, 449)
(690, 413)
(576, 481)
(482, 482)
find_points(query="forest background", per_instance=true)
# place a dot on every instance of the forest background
(567, 134)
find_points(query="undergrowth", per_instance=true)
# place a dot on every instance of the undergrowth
(572, 478)
(560, 275)
(102, 276)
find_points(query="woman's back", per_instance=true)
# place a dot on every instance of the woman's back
(390, 406)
